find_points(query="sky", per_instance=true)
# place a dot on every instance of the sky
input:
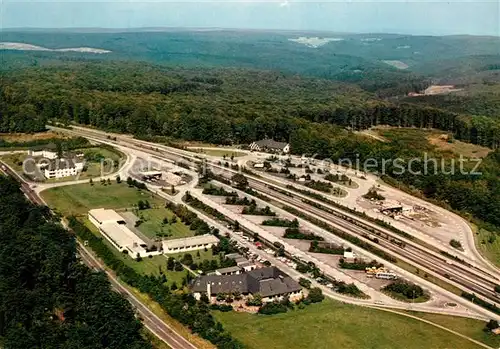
(422, 17)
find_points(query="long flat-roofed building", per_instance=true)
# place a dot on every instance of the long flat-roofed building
(189, 243)
(113, 227)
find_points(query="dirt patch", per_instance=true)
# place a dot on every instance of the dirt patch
(26, 137)
(442, 142)
(372, 133)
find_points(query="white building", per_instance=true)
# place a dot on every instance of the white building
(59, 168)
(349, 256)
(48, 151)
(113, 227)
(189, 244)
(271, 146)
(228, 271)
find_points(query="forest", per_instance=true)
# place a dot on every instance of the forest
(48, 299)
(212, 105)
(229, 105)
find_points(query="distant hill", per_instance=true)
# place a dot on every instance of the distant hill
(355, 58)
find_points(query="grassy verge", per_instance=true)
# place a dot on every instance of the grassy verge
(335, 325)
(435, 280)
(402, 298)
(217, 152)
(177, 326)
(488, 244)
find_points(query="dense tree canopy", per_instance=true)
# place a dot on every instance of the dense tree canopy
(240, 106)
(48, 299)
(213, 105)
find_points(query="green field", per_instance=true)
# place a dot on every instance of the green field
(468, 327)
(78, 199)
(153, 224)
(335, 325)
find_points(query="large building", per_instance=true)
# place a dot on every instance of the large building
(63, 167)
(113, 227)
(48, 151)
(270, 283)
(271, 146)
(189, 244)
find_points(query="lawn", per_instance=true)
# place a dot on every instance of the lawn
(78, 199)
(153, 224)
(469, 327)
(488, 244)
(335, 325)
(15, 161)
(203, 255)
(95, 168)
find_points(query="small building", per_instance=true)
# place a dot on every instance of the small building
(48, 151)
(270, 283)
(270, 145)
(189, 244)
(60, 168)
(173, 179)
(228, 271)
(247, 266)
(349, 256)
(149, 175)
(233, 255)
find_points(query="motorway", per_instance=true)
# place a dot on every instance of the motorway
(471, 279)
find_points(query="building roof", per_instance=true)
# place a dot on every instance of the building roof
(221, 283)
(228, 270)
(123, 236)
(245, 264)
(239, 260)
(233, 255)
(190, 241)
(271, 144)
(103, 215)
(267, 282)
(151, 173)
(60, 164)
